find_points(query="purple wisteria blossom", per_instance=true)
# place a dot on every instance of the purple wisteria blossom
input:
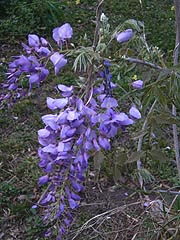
(62, 33)
(138, 84)
(30, 69)
(124, 36)
(134, 113)
(33, 40)
(37, 44)
(58, 61)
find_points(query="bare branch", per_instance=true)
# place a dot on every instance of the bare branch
(138, 61)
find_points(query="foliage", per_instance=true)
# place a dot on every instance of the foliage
(22, 17)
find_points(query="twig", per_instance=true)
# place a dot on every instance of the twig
(167, 191)
(104, 214)
(138, 61)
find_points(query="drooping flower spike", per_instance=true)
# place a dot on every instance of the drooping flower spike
(68, 139)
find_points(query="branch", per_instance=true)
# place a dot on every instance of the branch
(149, 64)
(167, 191)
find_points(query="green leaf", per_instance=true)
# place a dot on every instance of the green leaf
(146, 175)
(165, 118)
(117, 173)
(120, 158)
(135, 156)
(139, 134)
(136, 25)
(158, 155)
(98, 159)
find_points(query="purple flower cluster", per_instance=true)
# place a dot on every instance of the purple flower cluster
(75, 131)
(31, 67)
(71, 135)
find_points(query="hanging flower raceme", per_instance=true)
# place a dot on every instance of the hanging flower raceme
(30, 69)
(69, 138)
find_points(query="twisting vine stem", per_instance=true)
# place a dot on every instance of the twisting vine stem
(94, 46)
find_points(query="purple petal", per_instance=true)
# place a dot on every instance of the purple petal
(33, 40)
(50, 103)
(77, 187)
(58, 61)
(44, 51)
(43, 133)
(73, 204)
(71, 132)
(44, 42)
(88, 111)
(43, 74)
(56, 35)
(51, 148)
(50, 120)
(56, 103)
(61, 102)
(34, 79)
(75, 196)
(34, 206)
(26, 48)
(60, 34)
(60, 147)
(109, 102)
(13, 86)
(107, 63)
(104, 143)
(64, 88)
(48, 233)
(72, 115)
(88, 145)
(112, 132)
(62, 118)
(96, 145)
(43, 180)
(134, 113)
(124, 36)
(49, 167)
(122, 119)
(138, 84)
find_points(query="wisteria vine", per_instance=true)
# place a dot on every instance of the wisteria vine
(75, 131)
